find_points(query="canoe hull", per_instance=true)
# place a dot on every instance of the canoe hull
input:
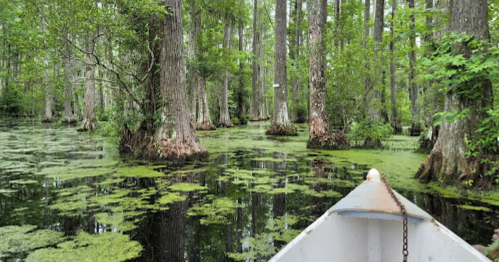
(336, 238)
(366, 226)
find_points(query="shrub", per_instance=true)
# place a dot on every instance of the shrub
(371, 132)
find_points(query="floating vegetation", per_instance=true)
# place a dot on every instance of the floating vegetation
(145, 171)
(107, 247)
(186, 187)
(216, 212)
(476, 208)
(18, 240)
(23, 182)
(7, 192)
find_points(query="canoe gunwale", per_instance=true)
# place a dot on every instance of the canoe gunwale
(379, 215)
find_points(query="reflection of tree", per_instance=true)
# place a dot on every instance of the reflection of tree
(474, 226)
(163, 233)
(90, 211)
(70, 223)
(279, 200)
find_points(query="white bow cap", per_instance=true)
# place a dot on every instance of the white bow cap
(373, 176)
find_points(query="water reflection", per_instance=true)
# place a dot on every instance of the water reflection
(254, 196)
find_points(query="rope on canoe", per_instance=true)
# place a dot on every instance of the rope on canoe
(405, 249)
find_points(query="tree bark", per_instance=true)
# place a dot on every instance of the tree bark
(395, 120)
(319, 133)
(414, 88)
(48, 94)
(296, 83)
(261, 69)
(254, 107)
(319, 126)
(89, 121)
(7, 77)
(224, 120)
(191, 52)
(379, 18)
(241, 105)
(102, 94)
(204, 120)
(375, 113)
(337, 8)
(448, 159)
(76, 103)
(68, 87)
(281, 124)
(176, 137)
(367, 20)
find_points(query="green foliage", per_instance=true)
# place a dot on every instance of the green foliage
(457, 69)
(489, 131)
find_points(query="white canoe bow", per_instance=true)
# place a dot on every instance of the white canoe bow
(366, 226)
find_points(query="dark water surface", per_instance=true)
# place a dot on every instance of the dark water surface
(68, 196)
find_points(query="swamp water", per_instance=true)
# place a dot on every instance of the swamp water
(68, 196)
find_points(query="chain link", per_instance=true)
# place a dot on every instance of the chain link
(405, 250)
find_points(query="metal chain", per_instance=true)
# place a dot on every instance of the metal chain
(405, 250)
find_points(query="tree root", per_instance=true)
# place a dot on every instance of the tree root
(426, 145)
(278, 130)
(329, 142)
(205, 126)
(416, 130)
(69, 121)
(431, 169)
(142, 144)
(225, 124)
(435, 169)
(47, 120)
(88, 125)
(397, 129)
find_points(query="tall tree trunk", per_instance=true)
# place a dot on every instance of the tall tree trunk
(176, 137)
(191, 52)
(101, 89)
(296, 81)
(224, 101)
(281, 125)
(375, 113)
(261, 69)
(204, 120)
(7, 77)
(448, 159)
(89, 121)
(429, 97)
(319, 133)
(367, 20)
(337, 8)
(68, 87)
(414, 88)
(48, 94)
(241, 106)
(76, 103)
(254, 105)
(395, 120)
